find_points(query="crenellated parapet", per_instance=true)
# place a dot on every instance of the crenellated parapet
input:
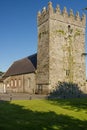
(62, 16)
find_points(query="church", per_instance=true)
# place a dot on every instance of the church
(60, 56)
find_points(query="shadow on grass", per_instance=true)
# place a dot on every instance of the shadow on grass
(15, 117)
(75, 104)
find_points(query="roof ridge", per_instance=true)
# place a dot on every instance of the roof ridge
(31, 55)
(25, 57)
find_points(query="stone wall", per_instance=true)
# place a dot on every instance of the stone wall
(66, 47)
(30, 83)
(21, 83)
(43, 55)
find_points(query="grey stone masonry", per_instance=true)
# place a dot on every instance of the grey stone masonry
(61, 45)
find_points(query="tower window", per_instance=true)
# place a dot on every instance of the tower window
(67, 72)
(69, 29)
(68, 26)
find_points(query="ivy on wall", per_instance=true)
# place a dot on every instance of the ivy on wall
(69, 36)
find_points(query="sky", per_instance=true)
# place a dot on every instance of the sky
(18, 27)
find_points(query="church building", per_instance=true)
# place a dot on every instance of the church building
(60, 55)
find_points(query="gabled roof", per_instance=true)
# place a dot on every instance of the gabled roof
(23, 66)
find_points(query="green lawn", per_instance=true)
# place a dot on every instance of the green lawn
(68, 114)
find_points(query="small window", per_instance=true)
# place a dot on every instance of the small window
(11, 83)
(68, 26)
(8, 85)
(29, 82)
(15, 82)
(67, 72)
(19, 82)
(70, 30)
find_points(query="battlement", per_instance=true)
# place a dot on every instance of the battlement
(62, 16)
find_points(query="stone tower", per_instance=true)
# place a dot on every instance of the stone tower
(61, 48)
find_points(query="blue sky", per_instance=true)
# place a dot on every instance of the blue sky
(18, 26)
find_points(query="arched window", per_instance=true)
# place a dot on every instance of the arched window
(29, 82)
(12, 83)
(15, 82)
(19, 82)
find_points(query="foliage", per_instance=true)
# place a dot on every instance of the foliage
(1, 73)
(67, 90)
(60, 32)
(77, 33)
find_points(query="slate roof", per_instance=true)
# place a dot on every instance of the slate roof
(23, 66)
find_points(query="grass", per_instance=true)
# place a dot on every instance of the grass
(55, 114)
